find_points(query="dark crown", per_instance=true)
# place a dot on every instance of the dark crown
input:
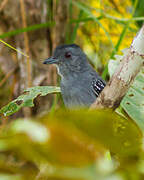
(67, 46)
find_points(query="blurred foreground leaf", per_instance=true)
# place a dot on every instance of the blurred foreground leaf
(26, 100)
(121, 136)
(67, 145)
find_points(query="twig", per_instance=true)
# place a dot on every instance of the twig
(123, 19)
(7, 76)
(124, 75)
(17, 50)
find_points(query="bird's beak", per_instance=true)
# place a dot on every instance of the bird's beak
(51, 60)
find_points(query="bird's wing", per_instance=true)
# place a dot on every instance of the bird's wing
(97, 86)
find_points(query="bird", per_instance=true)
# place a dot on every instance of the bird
(80, 84)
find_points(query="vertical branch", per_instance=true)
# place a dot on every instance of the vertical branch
(26, 42)
(27, 79)
(57, 35)
(61, 17)
(48, 32)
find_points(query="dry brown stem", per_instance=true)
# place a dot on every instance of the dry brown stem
(26, 42)
(3, 4)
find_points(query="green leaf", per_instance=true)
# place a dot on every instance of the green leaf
(9, 177)
(35, 130)
(71, 173)
(133, 102)
(49, 142)
(26, 100)
(27, 29)
(121, 136)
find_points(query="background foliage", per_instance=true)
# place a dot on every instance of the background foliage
(43, 142)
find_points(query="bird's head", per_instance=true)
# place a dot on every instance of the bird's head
(68, 58)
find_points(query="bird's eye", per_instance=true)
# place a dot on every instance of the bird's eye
(67, 54)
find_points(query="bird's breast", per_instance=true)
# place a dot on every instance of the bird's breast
(77, 93)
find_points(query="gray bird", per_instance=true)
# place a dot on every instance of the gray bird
(80, 84)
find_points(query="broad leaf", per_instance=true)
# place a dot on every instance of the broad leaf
(26, 99)
(121, 136)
